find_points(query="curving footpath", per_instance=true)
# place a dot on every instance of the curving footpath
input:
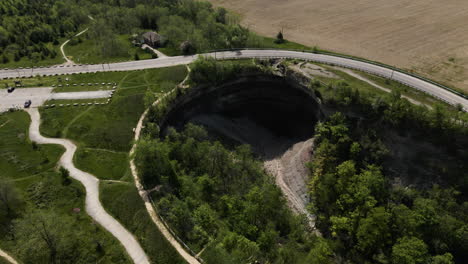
(419, 84)
(68, 61)
(91, 184)
(7, 257)
(145, 194)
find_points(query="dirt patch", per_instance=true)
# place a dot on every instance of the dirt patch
(291, 175)
(428, 36)
(311, 70)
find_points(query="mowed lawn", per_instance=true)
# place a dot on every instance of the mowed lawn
(31, 170)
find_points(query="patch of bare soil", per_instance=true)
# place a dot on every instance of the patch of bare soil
(291, 175)
(428, 36)
(284, 159)
(311, 70)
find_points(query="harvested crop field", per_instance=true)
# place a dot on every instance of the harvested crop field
(427, 36)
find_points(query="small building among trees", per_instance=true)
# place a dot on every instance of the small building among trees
(151, 39)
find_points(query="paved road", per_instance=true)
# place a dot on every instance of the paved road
(91, 184)
(424, 86)
(38, 96)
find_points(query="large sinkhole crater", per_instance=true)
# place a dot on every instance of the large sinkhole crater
(268, 112)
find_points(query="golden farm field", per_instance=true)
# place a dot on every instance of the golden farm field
(427, 36)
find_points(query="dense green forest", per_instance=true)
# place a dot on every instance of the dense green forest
(30, 29)
(388, 183)
(221, 199)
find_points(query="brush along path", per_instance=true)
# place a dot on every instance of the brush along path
(7, 257)
(93, 205)
(364, 79)
(145, 194)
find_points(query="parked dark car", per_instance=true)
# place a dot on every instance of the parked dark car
(27, 104)
(11, 89)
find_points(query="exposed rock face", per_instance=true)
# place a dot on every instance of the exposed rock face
(282, 105)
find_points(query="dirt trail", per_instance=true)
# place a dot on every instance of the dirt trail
(93, 205)
(7, 257)
(145, 194)
(364, 79)
(67, 60)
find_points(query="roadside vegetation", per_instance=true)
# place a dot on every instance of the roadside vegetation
(42, 217)
(362, 86)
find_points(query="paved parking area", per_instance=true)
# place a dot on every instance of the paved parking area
(17, 98)
(39, 95)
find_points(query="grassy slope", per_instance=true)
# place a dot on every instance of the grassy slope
(104, 135)
(104, 164)
(110, 126)
(366, 87)
(32, 172)
(406, 90)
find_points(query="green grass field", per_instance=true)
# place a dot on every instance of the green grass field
(123, 202)
(31, 169)
(110, 126)
(104, 135)
(104, 164)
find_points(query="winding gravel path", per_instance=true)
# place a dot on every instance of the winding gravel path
(68, 61)
(91, 184)
(7, 257)
(144, 194)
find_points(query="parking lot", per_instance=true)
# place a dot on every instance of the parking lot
(38, 96)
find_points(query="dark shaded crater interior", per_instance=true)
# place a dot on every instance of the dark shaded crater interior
(255, 111)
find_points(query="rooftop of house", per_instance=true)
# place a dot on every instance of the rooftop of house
(151, 36)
